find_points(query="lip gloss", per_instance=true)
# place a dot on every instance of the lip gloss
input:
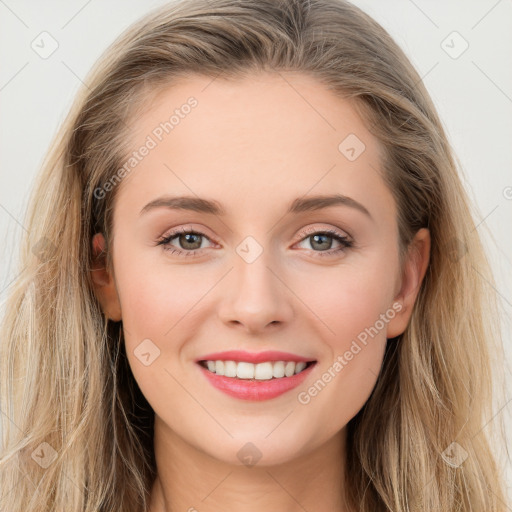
(252, 389)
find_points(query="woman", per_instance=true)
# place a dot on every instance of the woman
(260, 367)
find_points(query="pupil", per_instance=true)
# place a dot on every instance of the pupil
(315, 237)
(187, 240)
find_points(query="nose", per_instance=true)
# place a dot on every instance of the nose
(255, 297)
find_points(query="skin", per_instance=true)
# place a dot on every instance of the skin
(255, 145)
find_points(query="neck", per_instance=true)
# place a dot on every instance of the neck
(190, 480)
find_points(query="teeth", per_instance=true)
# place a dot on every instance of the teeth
(230, 369)
(263, 371)
(219, 367)
(259, 371)
(278, 370)
(243, 371)
(289, 369)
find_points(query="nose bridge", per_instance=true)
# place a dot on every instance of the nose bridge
(255, 297)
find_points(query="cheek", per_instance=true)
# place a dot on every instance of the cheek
(340, 305)
(349, 299)
(160, 308)
(354, 305)
(155, 299)
(158, 321)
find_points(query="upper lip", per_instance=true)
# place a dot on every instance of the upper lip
(253, 357)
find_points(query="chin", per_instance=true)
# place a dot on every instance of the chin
(258, 452)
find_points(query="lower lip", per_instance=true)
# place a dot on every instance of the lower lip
(256, 390)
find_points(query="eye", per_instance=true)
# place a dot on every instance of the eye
(189, 240)
(323, 241)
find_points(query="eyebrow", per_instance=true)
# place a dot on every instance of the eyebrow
(299, 205)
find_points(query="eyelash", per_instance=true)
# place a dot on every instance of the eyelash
(343, 240)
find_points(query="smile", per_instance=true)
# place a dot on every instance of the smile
(256, 382)
(260, 371)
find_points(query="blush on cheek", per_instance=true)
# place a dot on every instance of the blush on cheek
(348, 309)
(148, 306)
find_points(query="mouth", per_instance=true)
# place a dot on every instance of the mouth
(256, 372)
(255, 376)
(255, 381)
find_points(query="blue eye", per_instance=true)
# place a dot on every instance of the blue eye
(191, 242)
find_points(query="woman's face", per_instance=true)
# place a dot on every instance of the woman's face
(269, 267)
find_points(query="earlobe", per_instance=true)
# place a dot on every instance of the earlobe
(103, 282)
(413, 273)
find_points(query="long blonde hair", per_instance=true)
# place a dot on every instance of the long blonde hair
(77, 431)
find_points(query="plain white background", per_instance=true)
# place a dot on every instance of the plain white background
(461, 49)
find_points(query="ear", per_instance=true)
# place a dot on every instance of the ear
(103, 281)
(415, 267)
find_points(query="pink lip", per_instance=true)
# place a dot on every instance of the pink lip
(253, 389)
(250, 357)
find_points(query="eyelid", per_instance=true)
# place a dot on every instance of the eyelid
(340, 235)
(187, 228)
(330, 229)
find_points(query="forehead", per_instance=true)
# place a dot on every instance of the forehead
(270, 136)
